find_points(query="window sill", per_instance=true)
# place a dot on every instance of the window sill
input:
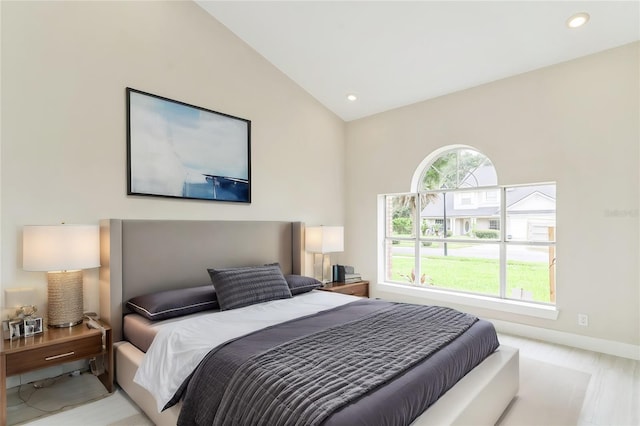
(511, 306)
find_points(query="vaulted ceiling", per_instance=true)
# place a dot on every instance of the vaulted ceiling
(394, 53)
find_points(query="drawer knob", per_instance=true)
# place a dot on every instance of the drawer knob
(49, 358)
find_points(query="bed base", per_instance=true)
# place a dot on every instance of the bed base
(479, 398)
(128, 358)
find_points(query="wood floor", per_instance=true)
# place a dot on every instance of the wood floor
(612, 397)
(613, 393)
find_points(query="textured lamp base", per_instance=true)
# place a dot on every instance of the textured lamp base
(65, 298)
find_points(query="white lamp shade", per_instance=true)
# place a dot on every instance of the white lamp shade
(60, 247)
(324, 239)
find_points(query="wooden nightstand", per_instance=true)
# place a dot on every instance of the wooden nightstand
(360, 288)
(53, 347)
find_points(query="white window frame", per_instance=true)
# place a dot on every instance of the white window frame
(500, 302)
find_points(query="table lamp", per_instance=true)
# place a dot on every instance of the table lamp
(322, 240)
(63, 251)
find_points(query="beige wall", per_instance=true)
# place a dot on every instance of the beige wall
(577, 124)
(65, 66)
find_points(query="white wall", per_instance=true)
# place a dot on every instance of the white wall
(65, 66)
(575, 123)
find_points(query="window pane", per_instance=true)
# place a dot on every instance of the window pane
(399, 215)
(459, 168)
(466, 267)
(400, 258)
(531, 213)
(531, 273)
(432, 222)
(465, 215)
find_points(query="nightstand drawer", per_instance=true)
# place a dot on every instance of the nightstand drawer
(23, 361)
(359, 289)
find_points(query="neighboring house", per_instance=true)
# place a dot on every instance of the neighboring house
(530, 209)
(531, 212)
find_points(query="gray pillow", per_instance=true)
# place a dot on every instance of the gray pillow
(174, 303)
(299, 284)
(239, 287)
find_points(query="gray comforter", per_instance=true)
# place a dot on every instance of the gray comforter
(308, 371)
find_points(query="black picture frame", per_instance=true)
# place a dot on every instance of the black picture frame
(179, 150)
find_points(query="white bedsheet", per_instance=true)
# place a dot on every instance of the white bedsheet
(179, 346)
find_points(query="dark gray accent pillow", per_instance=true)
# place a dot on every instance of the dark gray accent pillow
(174, 303)
(239, 287)
(299, 284)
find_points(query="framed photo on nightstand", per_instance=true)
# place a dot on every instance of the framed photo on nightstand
(12, 329)
(32, 326)
(6, 331)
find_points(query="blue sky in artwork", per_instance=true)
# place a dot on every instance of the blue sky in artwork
(204, 141)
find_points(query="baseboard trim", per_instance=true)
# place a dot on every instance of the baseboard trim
(610, 347)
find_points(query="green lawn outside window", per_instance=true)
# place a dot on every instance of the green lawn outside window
(476, 275)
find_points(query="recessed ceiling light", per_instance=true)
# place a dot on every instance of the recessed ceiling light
(352, 97)
(577, 20)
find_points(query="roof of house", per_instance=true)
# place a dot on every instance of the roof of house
(514, 196)
(484, 175)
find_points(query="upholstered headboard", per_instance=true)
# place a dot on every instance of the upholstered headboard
(144, 256)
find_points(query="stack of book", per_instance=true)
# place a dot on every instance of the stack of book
(352, 278)
(345, 274)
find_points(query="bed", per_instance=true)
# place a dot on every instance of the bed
(146, 256)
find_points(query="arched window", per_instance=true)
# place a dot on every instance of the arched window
(459, 230)
(457, 168)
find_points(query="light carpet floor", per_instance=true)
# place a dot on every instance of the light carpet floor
(549, 395)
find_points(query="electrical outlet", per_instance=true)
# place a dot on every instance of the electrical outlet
(583, 320)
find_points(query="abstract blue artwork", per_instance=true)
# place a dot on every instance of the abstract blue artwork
(184, 151)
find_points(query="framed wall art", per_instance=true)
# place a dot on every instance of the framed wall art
(183, 151)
